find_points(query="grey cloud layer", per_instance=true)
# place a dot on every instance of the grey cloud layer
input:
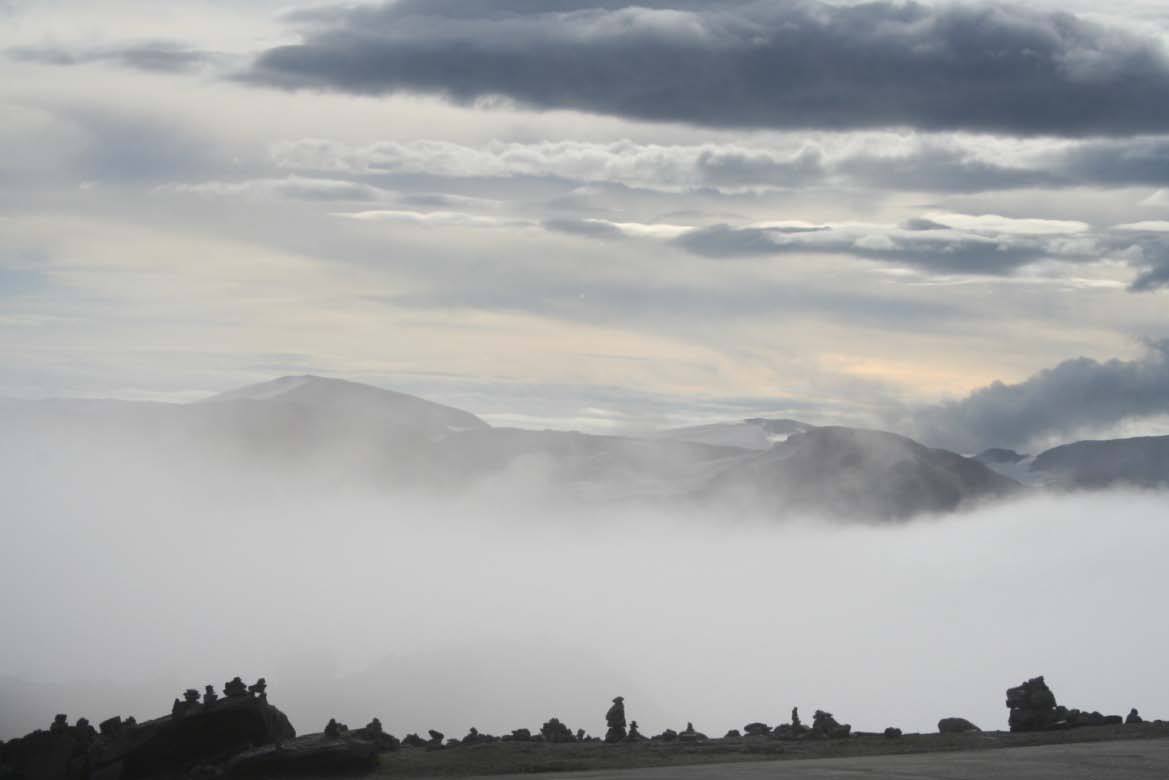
(164, 56)
(1075, 396)
(921, 164)
(748, 64)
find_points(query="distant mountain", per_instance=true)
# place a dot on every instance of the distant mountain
(354, 401)
(1141, 462)
(855, 473)
(334, 433)
(756, 433)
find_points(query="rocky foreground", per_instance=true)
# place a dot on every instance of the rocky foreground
(240, 734)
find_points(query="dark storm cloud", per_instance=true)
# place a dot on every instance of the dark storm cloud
(761, 64)
(161, 56)
(1075, 396)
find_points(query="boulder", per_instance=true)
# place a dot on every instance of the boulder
(316, 754)
(757, 729)
(892, 732)
(956, 726)
(1134, 717)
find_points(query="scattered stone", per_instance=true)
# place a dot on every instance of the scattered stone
(669, 735)
(1133, 718)
(892, 732)
(615, 720)
(956, 726)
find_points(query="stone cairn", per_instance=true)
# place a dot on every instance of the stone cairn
(234, 689)
(615, 720)
(555, 731)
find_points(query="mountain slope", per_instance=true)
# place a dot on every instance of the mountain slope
(855, 473)
(756, 433)
(354, 401)
(1142, 461)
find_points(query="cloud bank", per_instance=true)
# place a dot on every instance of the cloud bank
(1076, 396)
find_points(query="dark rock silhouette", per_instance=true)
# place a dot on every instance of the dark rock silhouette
(1033, 708)
(474, 737)
(413, 740)
(892, 732)
(796, 725)
(615, 721)
(824, 725)
(634, 735)
(259, 690)
(209, 696)
(956, 726)
(373, 732)
(235, 688)
(1134, 717)
(669, 735)
(519, 735)
(757, 729)
(555, 731)
(733, 734)
(192, 736)
(436, 738)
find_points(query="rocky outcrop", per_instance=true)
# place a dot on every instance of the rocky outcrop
(1033, 708)
(196, 733)
(824, 725)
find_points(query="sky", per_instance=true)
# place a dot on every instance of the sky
(949, 219)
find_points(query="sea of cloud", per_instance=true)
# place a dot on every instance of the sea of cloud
(127, 579)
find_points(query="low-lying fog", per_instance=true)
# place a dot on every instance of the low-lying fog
(125, 583)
